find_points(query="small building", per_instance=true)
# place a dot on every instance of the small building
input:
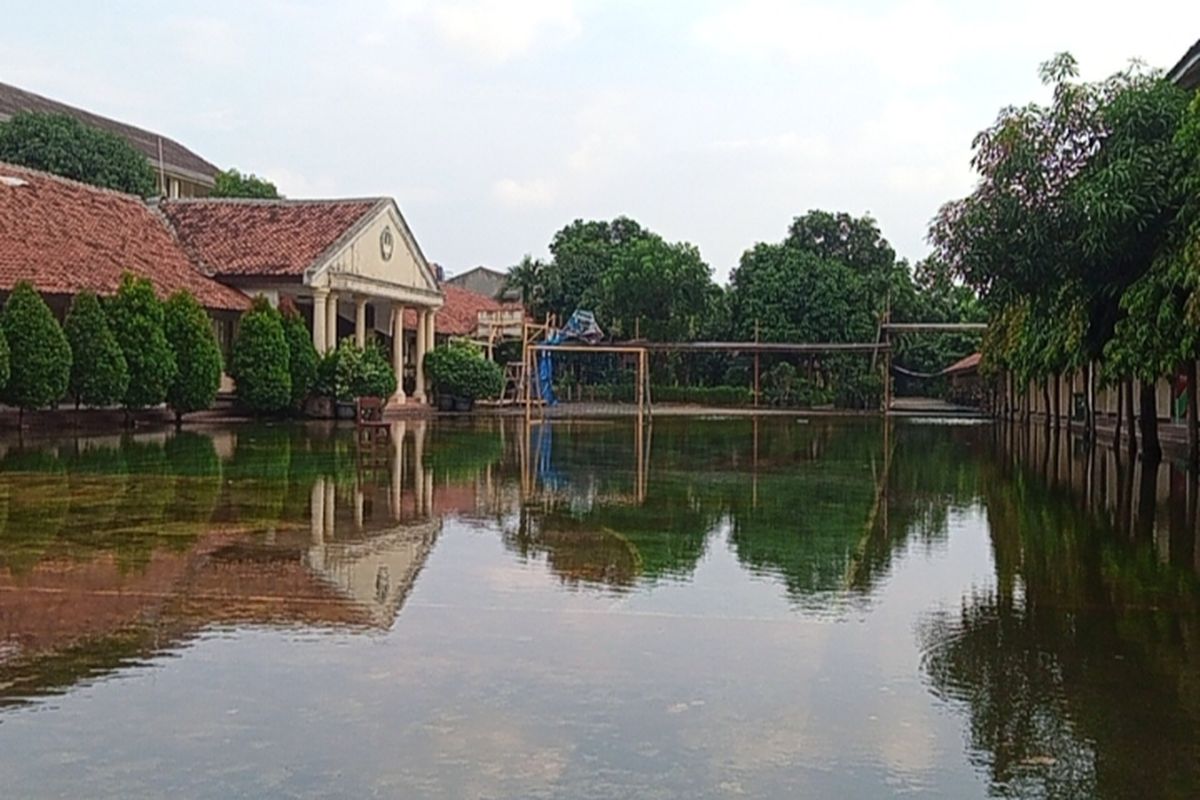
(963, 384)
(487, 282)
(350, 266)
(181, 173)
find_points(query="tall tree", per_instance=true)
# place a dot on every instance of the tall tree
(655, 289)
(260, 360)
(197, 355)
(99, 374)
(40, 356)
(63, 145)
(136, 317)
(232, 183)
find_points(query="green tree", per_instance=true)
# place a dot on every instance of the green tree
(526, 277)
(581, 253)
(654, 288)
(260, 360)
(40, 356)
(232, 183)
(135, 315)
(197, 355)
(302, 356)
(63, 145)
(99, 374)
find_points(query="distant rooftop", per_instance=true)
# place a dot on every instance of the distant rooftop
(176, 158)
(1187, 72)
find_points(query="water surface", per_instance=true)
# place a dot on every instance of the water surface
(702, 609)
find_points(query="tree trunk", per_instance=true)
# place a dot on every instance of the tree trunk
(1193, 422)
(1116, 442)
(1127, 391)
(1148, 419)
(1057, 400)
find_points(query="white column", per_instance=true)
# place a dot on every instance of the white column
(430, 335)
(320, 301)
(419, 469)
(398, 351)
(330, 510)
(360, 321)
(331, 320)
(399, 431)
(422, 331)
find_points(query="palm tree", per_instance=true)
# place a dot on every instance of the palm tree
(526, 278)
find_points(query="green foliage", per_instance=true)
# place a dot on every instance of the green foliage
(1065, 234)
(63, 145)
(785, 387)
(40, 356)
(232, 183)
(5, 361)
(260, 360)
(459, 369)
(302, 357)
(351, 371)
(654, 289)
(99, 374)
(135, 315)
(197, 355)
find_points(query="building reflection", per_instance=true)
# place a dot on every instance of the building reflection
(115, 549)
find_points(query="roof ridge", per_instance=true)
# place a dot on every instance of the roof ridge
(60, 105)
(268, 201)
(71, 181)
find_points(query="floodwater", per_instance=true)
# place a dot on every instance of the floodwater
(706, 609)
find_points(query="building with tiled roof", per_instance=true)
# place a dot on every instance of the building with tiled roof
(65, 237)
(181, 172)
(351, 267)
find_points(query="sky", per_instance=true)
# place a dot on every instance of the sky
(494, 123)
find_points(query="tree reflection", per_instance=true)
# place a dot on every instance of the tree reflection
(1078, 671)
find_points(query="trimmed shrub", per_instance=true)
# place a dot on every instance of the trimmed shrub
(350, 371)
(197, 355)
(375, 377)
(459, 369)
(302, 357)
(136, 318)
(5, 360)
(260, 360)
(39, 354)
(99, 374)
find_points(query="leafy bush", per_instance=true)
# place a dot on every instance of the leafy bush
(303, 360)
(375, 377)
(233, 183)
(260, 360)
(99, 374)
(65, 146)
(197, 355)
(784, 387)
(701, 395)
(39, 354)
(459, 369)
(350, 371)
(136, 318)
(5, 360)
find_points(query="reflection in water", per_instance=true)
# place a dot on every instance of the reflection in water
(113, 550)
(1079, 668)
(566, 576)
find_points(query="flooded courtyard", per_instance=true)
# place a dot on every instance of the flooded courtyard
(703, 608)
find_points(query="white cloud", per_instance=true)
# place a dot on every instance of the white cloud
(501, 30)
(517, 194)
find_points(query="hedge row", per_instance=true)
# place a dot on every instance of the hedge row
(131, 350)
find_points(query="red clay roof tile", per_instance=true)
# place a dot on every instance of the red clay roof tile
(273, 238)
(64, 237)
(460, 314)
